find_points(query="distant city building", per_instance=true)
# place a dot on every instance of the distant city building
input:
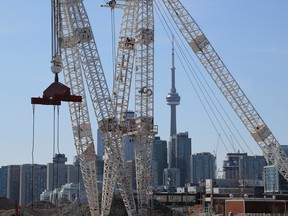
(131, 169)
(100, 169)
(231, 165)
(274, 182)
(3, 181)
(56, 172)
(72, 192)
(183, 149)
(129, 147)
(16, 181)
(234, 187)
(13, 182)
(128, 141)
(251, 167)
(73, 174)
(242, 166)
(100, 144)
(31, 189)
(159, 160)
(203, 166)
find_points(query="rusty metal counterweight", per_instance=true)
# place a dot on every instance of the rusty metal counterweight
(55, 93)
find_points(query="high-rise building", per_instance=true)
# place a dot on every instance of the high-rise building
(13, 182)
(274, 182)
(202, 166)
(32, 187)
(73, 172)
(242, 166)
(56, 172)
(183, 149)
(3, 181)
(251, 167)
(159, 160)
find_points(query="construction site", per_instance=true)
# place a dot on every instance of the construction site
(79, 81)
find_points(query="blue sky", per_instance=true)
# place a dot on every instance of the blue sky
(249, 36)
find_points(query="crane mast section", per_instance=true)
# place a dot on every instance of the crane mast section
(144, 100)
(124, 60)
(228, 85)
(79, 113)
(103, 108)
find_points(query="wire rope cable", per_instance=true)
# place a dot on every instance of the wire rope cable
(53, 164)
(204, 91)
(58, 130)
(201, 86)
(188, 51)
(113, 41)
(32, 154)
(189, 78)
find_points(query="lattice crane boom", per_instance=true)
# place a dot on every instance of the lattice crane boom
(136, 41)
(228, 85)
(124, 60)
(81, 40)
(79, 113)
(144, 101)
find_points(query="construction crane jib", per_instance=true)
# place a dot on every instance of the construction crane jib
(228, 85)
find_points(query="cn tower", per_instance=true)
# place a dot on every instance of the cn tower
(172, 99)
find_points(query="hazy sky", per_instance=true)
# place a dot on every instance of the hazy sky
(249, 36)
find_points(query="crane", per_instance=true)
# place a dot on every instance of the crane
(213, 64)
(77, 53)
(115, 163)
(75, 50)
(136, 41)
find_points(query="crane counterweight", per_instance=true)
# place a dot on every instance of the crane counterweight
(55, 93)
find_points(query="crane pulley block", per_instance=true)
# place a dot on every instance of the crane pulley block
(56, 93)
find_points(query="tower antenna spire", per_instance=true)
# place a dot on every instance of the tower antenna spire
(172, 99)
